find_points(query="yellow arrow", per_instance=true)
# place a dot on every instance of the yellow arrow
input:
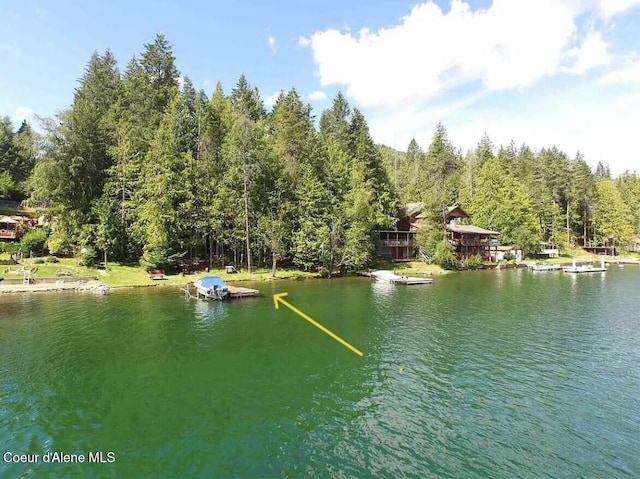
(277, 298)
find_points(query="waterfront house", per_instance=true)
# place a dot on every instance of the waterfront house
(9, 228)
(548, 250)
(469, 240)
(605, 248)
(400, 244)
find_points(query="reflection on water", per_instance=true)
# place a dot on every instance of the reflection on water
(210, 310)
(382, 289)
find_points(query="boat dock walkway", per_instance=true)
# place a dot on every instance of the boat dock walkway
(239, 292)
(234, 292)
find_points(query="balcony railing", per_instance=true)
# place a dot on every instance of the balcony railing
(386, 242)
(8, 234)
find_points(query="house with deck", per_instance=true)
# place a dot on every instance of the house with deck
(605, 248)
(400, 244)
(469, 240)
(10, 229)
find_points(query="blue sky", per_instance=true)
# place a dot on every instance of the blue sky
(542, 72)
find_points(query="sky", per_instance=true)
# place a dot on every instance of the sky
(562, 73)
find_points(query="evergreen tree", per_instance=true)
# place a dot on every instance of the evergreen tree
(503, 204)
(334, 123)
(612, 219)
(364, 152)
(247, 99)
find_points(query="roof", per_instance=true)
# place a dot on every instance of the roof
(452, 208)
(412, 208)
(211, 281)
(470, 229)
(6, 219)
(507, 247)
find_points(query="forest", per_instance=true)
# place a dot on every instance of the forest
(144, 167)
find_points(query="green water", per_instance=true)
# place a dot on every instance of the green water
(500, 374)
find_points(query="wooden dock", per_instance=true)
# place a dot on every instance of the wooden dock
(238, 292)
(235, 292)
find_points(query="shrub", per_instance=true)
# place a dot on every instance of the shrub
(444, 255)
(51, 259)
(473, 262)
(87, 256)
(34, 240)
(38, 260)
(9, 247)
(509, 256)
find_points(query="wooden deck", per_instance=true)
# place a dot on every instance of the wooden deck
(238, 292)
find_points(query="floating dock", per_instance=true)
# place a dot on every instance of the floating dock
(235, 292)
(238, 292)
(544, 267)
(387, 276)
(584, 268)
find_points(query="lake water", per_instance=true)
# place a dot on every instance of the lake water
(497, 374)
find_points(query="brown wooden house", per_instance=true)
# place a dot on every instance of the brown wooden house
(606, 248)
(400, 244)
(9, 228)
(470, 240)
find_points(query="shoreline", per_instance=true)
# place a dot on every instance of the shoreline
(177, 281)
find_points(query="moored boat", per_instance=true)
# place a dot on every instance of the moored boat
(212, 287)
(387, 276)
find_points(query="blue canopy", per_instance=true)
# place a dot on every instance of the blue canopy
(211, 281)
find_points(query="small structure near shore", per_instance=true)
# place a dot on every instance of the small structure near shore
(213, 287)
(584, 268)
(10, 228)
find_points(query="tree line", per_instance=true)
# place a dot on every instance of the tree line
(143, 165)
(529, 196)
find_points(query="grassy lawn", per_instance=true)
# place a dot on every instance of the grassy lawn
(123, 275)
(412, 268)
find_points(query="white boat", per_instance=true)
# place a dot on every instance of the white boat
(387, 276)
(212, 287)
(584, 268)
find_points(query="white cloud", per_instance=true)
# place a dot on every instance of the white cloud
(629, 99)
(272, 43)
(317, 95)
(509, 45)
(602, 129)
(609, 8)
(592, 53)
(304, 41)
(630, 73)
